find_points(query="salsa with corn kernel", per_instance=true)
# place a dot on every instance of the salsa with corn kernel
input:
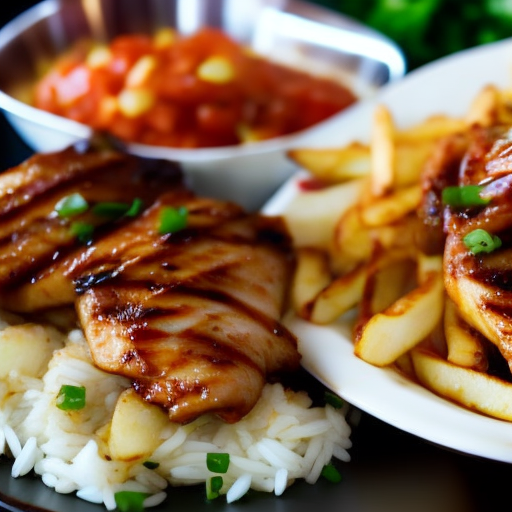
(202, 90)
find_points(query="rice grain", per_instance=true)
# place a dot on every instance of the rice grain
(282, 439)
(239, 488)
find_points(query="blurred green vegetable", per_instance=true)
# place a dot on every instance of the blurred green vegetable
(430, 29)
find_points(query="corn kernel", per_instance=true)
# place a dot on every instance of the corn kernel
(218, 70)
(108, 107)
(98, 57)
(135, 102)
(140, 71)
(246, 134)
(164, 38)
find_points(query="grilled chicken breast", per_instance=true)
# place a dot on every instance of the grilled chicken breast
(191, 317)
(38, 247)
(195, 321)
(481, 284)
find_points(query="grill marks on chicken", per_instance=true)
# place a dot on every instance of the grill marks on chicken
(35, 241)
(195, 323)
(192, 317)
(481, 284)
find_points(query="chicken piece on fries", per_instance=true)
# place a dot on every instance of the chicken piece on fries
(425, 303)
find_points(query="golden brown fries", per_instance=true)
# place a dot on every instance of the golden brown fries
(312, 275)
(312, 217)
(465, 345)
(370, 255)
(406, 322)
(383, 152)
(334, 165)
(476, 390)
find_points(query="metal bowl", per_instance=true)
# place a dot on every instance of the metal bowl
(289, 31)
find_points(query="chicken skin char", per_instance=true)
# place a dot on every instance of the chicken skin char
(191, 317)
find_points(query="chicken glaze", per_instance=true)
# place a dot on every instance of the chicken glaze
(191, 317)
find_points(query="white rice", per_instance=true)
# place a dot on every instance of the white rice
(284, 438)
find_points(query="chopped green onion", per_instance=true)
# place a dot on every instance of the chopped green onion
(130, 501)
(110, 209)
(332, 399)
(135, 208)
(83, 231)
(213, 487)
(72, 205)
(150, 464)
(114, 210)
(71, 398)
(479, 240)
(217, 462)
(329, 472)
(173, 219)
(464, 196)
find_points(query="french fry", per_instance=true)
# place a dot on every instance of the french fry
(475, 390)
(352, 241)
(431, 129)
(410, 158)
(465, 347)
(390, 208)
(377, 257)
(339, 296)
(389, 281)
(334, 165)
(312, 216)
(382, 152)
(505, 107)
(311, 276)
(397, 329)
(484, 108)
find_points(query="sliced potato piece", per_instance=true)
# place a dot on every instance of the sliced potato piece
(432, 128)
(352, 241)
(390, 279)
(312, 275)
(484, 108)
(475, 390)
(382, 148)
(340, 296)
(388, 335)
(334, 165)
(312, 216)
(390, 208)
(465, 347)
(136, 427)
(28, 348)
(410, 159)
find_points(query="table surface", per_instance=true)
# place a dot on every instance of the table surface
(395, 470)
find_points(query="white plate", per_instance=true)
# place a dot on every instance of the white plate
(447, 86)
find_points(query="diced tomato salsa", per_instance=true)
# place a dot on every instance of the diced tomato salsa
(203, 90)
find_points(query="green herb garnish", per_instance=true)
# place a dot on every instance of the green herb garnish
(72, 205)
(111, 210)
(329, 472)
(332, 399)
(213, 487)
(83, 231)
(135, 208)
(130, 501)
(217, 462)
(114, 210)
(479, 240)
(172, 219)
(150, 464)
(71, 398)
(463, 197)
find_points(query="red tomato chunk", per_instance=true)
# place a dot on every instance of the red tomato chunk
(203, 90)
